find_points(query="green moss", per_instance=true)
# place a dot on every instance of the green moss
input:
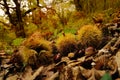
(17, 41)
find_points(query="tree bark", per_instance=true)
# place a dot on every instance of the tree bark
(20, 26)
(37, 2)
(78, 5)
(18, 23)
(7, 11)
(104, 4)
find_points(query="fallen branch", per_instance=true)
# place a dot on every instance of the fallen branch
(109, 44)
(117, 43)
(107, 47)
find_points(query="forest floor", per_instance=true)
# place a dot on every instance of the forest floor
(101, 64)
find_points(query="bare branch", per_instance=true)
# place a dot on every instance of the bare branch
(18, 11)
(31, 10)
(7, 11)
(2, 4)
(28, 11)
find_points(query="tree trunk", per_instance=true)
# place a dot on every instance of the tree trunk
(20, 26)
(8, 11)
(78, 5)
(18, 23)
(105, 5)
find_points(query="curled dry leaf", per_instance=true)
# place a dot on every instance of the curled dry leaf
(117, 59)
(112, 64)
(48, 72)
(92, 74)
(106, 48)
(55, 75)
(69, 70)
(65, 59)
(101, 61)
(77, 73)
(81, 59)
(28, 73)
(13, 77)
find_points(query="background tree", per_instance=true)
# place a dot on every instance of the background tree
(15, 11)
(18, 10)
(78, 5)
(16, 19)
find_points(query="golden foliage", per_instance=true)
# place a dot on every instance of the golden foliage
(33, 40)
(89, 35)
(66, 43)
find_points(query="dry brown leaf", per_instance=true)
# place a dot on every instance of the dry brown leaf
(53, 76)
(92, 74)
(117, 58)
(101, 61)
(14, 77)
(27, 75)
(36, 73)
(112, 64)
(77, 73)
